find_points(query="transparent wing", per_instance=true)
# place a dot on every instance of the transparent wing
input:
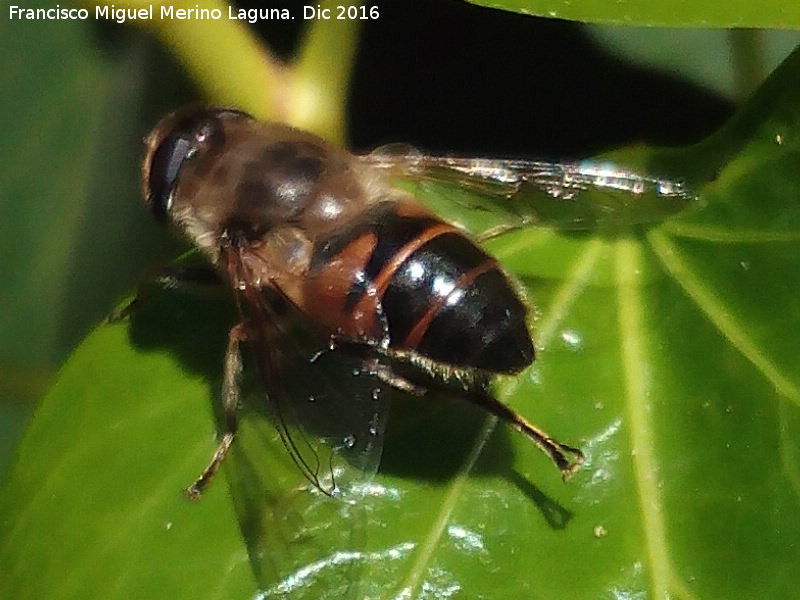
(514, 193)
(330, 412)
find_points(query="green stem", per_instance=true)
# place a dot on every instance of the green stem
(321, 73)
(221, 55)
(233, 68)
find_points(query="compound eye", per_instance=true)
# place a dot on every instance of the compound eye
(190, 131)
(164, 168)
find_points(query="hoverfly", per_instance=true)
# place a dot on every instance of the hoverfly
(303, 231)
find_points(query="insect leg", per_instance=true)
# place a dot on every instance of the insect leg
(392, 379)
(370, 356)
(170, 277)
(566, 458)
(230, 404)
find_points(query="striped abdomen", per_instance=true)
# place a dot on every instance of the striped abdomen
(440, 295)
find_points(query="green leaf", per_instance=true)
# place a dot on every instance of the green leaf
(69, 210)
(665, 13)
(668, 354)
(95, 504)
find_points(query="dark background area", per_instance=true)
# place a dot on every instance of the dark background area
(448, 76)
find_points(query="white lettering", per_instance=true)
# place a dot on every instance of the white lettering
(203, 14)
(253, 15)
(47, 14)
(120, 15)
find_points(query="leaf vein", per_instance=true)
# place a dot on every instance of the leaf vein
(722, 318)
(448, 505)
(574, 284)
(741, 236)
(638, 395)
